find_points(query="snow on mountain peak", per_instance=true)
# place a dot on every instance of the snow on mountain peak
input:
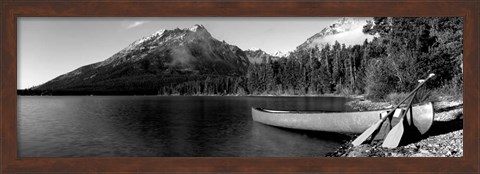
(281, 54)
(196, 27)
(143, 39)
(275, 54)
(347, 30)
(343, 24)
(160, 32)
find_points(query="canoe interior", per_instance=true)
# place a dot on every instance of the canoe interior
(341, 122)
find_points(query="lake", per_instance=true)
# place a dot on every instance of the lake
(167, 126)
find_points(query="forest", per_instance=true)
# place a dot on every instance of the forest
(403, 51)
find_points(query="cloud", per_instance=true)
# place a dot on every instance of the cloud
(136, 24)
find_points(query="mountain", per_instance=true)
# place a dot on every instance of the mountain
(257, 56)
(347, 30)
(281, 54)
(166, 57)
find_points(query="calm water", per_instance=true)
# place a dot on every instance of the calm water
(66, 126)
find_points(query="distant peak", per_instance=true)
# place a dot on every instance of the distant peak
(347, 30)
(280, 54)
(346, 21)
(254, 49)
(197, 27)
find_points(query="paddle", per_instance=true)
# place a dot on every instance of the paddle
(367, 133)
(395, 135)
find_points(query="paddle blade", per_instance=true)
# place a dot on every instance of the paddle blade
(367, 133)
(394, 136)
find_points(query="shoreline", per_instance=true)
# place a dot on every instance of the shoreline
(444, 139)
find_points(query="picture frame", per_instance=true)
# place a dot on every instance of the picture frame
(11, 10)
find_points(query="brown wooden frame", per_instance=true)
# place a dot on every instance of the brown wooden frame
(9, 10)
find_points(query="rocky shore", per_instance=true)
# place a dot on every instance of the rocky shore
(444, 139)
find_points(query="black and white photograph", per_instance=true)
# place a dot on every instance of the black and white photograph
(240, 86)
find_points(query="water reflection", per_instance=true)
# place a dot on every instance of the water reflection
(165, 126)
(289, 142)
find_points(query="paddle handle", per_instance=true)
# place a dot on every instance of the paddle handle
(367, 133)
(411, 93)
(409, 106)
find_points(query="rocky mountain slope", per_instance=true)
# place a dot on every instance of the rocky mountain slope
(163, 58)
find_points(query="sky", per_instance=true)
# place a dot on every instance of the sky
(52, 46)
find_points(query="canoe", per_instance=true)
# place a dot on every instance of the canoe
(340, 122)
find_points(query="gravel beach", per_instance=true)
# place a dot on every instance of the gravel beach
(444, 139)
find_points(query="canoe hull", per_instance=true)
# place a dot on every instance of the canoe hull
(341, 122)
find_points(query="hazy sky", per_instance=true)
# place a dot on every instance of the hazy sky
(49, 47)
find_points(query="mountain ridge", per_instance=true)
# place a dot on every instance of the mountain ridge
(165, 53)
(257, 56)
